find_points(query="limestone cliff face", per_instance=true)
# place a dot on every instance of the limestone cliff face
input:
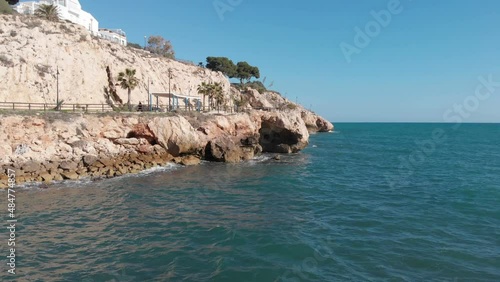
(273, 100)
(57, 146)
(31, 50)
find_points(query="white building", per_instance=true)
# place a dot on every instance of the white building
(114, 35)
(70, 10)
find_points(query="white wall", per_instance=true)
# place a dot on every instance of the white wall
(68, 10)
(113, 36)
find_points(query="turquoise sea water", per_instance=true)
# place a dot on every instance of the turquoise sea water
(371, 202)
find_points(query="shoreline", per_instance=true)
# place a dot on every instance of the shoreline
(61, 146)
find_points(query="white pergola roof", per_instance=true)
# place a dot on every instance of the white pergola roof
(172, 95)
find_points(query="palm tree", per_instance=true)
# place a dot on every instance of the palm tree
(204, 89)
(218, 94)
(127, 80)
(49, 12)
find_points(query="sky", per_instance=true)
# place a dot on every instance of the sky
(349, 61)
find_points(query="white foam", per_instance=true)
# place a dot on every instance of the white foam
(163, 168)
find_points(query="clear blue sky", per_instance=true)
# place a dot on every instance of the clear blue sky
(427, 58)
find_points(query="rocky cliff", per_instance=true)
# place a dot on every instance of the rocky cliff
(57, 146)
(32, 50)
(48, 146)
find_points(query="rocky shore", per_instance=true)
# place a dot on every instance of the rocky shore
(57, 146)
(41, 60)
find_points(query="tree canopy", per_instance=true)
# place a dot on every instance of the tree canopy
(160, 46)
(128, 81)
(222, 64)
(12, 2)
(5, 8)
(48, 12)
(242, 70)
(245, 71)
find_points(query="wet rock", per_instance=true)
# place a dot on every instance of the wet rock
(190, 160)
(71, 175)
(283, 133)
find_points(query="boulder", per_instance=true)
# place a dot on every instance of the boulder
(283, 132)
(127, 141)
(176, 135)
(89, 160)
(227, 149)
(190, 160)
(31, 166)
(71, 175)
(68, 165)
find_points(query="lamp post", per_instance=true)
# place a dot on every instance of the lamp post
(145, 42)
(169, 91)
(57, 89)
(149, 97)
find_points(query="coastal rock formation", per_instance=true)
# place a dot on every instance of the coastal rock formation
(56, 146)
(274, 100)
(176, 135)
(283, 132)
(36, 56)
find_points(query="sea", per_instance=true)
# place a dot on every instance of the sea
(368, 202)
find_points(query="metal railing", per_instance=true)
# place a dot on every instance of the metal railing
(19, 106)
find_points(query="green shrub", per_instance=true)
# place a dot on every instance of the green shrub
(134, 46)
(5, 8)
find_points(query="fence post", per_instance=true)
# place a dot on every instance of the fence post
(13, 106)
(44, 107)
(73, 107)
(86, 108)
(29, 106)
(102, 107)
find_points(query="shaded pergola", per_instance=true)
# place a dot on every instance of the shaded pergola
(175, 100)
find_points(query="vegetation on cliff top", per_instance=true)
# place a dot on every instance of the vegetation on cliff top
(5, 8)
(160, 46)
(242, 70)
(48, 12)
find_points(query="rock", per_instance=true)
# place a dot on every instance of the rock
(106, 146)
(89, 160)
(127, 141)
(324, 125)
(65, 147)
(225, 149)
(22, 149)
(71, 175)
(47, 177)
(176, 135)
(68, 165)
(31, 166)
(257, 100)
(283, 133)
(190, 160)
(142, 131)
(58, 177)
(277, 157)
(112, 134)
(5, 152)
(145, 149)
(73, 141)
